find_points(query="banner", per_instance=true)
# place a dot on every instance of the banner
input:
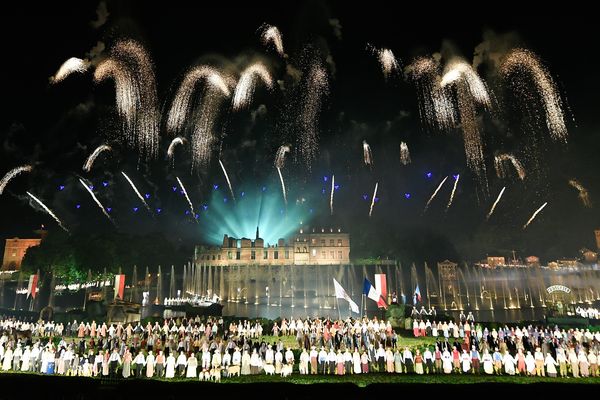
(119, 286)
(381, 286)
(32, 287)
(340, 293)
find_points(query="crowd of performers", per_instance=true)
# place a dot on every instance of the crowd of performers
(209, 349)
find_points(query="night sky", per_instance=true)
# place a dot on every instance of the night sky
(55, 127)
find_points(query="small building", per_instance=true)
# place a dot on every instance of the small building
(15, 249)
(532, 261)
(496, 261)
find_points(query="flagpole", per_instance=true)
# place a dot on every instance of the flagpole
(337, 302)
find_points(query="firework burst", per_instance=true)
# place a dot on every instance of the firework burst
(435, 104)
(367, 155)
(178, 141)
(38, 201)
(389, 63)
(456, 178)
(13, 173)
(87, 166)
(271, 34)
(584, 196)
(373, 199)
(535, 215)
(227, 179)
(280, 156)
(182, 103)
(315, 89)
(404, 154)
(435, 193)
(520, 68)
(72, 65)
(137, 192)
(244, 90)
(89, 190)
(502, 170)
(131, 68)
(495, 203)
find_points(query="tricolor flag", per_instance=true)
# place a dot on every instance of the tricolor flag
(371, 292)
(119, 286)
(32, 287)
(340, 293)
(417, 295)
(381, 287)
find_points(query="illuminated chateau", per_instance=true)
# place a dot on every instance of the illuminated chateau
(323, 246)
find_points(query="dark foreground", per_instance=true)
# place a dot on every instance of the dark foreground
(58, 387)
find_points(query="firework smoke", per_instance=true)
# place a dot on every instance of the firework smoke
(280, 156)
(244, 90)
(228, 181)
(367, 155)
(501, 170)
(316, 87)
(92, 158)
(435, 104)
(174, 143)
(182, 103)
(131, 68)
(271, 34)
(137, 192)
(70, 66)
(331, 195)
(520, 68)
(48, 211)
(96, 200)
(373, 199)
(283, 191)
(388, 61)
(584, 196)
(453, 191)
(185, 193)
(404, 154)
(534, 215)
(495, 203)
(11, 174)
(434, 194)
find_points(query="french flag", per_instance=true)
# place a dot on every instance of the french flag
(417, 296)
(119, 286)
(371, 292)
(381, 287)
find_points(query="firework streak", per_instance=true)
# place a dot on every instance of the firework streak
(283, 191)
(96, 200)
(534, 215)
(495, 203)
(137, 193)
(373, 199)
(228, 181)
(453, 191)
(92, 158)
(185, 193)
(11, 174)
(434, 194)
(48, 211)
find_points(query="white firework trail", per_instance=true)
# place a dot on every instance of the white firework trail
(96, 200)
(280, 156)
(48, 211)
(174, 143)
(69, 67)
(244, 90)
(453, 191)
(228, 181)
(331, 195)
(316, 87)
(373, 199)
(389, 63)
(521, 67)
(435, 193)
(185, 193)
(367, 155)
(11, 174)
(182, 103)
(283, 191)
(535, 214)
(501, 170)
(404, 154)
(87, 166)
(584, 195)
(495, 203)
(137, 192)
(271, 34)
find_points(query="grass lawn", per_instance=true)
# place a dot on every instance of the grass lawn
(412, 342)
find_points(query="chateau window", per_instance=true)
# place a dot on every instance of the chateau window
(313, 241)
(229, 256)
(14, 254)
(322, 242)
(340, 255)
(314, 252)
(287, 254)
(265, 255)
(219, 257)
(214, 257)
(276, 255)
(331, 243)
(339, 242)
(324, 255)
(305, 250)
(253, 255)
(332, 254)
(297, 249)
(237, 255)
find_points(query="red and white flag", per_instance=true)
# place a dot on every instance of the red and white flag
(32, 287)
(381, 285)
(119, 286)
